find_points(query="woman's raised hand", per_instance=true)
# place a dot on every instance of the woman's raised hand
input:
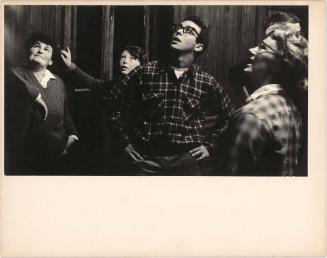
(66, 57)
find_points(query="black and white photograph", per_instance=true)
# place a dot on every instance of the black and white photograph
(163, 128)
(156, 90)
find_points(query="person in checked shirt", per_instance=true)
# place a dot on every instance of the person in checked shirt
(264, 136)
(163, 107)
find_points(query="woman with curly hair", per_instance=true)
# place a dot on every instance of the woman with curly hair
(264, 136)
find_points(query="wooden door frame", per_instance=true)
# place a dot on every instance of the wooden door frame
(107, 44)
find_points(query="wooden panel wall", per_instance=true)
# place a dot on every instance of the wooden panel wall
(232, 30)
(56, 21)
(107, 42)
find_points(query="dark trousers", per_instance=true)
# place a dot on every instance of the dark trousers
(175, 165)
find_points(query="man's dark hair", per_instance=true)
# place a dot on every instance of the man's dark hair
(204, 34)
(282, 17)
(137, 53)
(34, 37)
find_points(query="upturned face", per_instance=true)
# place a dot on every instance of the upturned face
(185, 36)
(41, 54)
(128, 62)
(263, 61)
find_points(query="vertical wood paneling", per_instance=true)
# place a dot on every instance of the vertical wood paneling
(230, 39)
(35, 18)
(232, 30)
(57, 24)
(21, 28)
(10, 34)
(67, 25)
(248, 31)
(147, 31)
(73, 26)
(21, 21)
(262, 14)
(107, 43)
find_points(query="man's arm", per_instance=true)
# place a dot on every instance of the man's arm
(224, 109)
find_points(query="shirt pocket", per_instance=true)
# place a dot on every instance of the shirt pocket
(191, 109)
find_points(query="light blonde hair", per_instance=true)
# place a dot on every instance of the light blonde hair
(292, 51)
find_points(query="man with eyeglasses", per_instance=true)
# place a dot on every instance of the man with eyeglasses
(264, 136)
(162, 109)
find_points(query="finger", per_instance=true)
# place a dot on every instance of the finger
(197, 153)
(63, 57)
(64, 53)
(130, 154)
(45, 113)
(137, 155)
(68, 50)
(201, 157)
(195, 149)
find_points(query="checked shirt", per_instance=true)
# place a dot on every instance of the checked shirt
(265, 135)
(156, 107)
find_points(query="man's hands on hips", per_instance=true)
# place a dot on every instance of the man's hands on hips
(71, 140)
(199, 153)
(132, 153)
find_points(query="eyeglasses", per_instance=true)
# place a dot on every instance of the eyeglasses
(187, 30)
(265, 48)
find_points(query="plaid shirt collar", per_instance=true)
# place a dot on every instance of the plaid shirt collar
(166, 68)
(265, 90)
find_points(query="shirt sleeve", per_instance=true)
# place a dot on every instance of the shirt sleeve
(89, 81)
(249, 137)
(223, 109)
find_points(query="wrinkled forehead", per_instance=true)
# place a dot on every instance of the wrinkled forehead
(41, 43)
(191, 24)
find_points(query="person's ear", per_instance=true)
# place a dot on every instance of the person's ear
(198, 47)
(50, 63)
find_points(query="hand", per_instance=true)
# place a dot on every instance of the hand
(43, 106)
(64, 153)
(132, 153)
(66, 57)
(71, 140)
(200, 153)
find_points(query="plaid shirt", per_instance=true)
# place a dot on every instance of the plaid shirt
(159, 108)
(264, 136)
